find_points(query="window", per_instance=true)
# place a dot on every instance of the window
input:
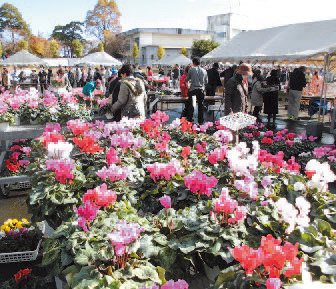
(152, 57)
(221, 35)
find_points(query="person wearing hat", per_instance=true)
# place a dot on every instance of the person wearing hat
(236, 90)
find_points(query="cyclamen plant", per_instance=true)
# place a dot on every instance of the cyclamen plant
(270, 262)
(200, 184)
(179, 284)
(122, 239)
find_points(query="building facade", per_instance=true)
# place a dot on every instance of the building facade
(172, 40)
(224, 27)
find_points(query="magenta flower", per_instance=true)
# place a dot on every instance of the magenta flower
(166, 201)
(86, 213)
(24, 163)
(165, 170)
(112, 156)
(63, 169)
(199, 183)
(114, 173)
(273, 283)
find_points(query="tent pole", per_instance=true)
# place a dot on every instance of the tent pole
(324, 81)
(326, 86)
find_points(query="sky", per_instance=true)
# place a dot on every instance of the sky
(43, 15)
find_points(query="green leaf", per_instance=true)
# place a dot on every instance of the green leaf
(82, 259)
(66, 259)
(146, 272)
(50, 256)
(225, 277)
(162, 274)
(324, 228)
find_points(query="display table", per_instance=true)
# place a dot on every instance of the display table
(168, 99)
(6, 136)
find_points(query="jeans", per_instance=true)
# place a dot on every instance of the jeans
(189, 108)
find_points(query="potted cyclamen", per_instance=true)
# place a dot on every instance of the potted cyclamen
(6, 117)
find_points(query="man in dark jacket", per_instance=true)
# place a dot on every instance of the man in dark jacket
(176, 75)
(213, 80)
(113, 91)
(228, 73)
(297, 82)
(42, 79)
(71, 77)
(236, 90)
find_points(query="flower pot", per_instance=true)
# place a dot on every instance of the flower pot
(34, 121)
(211, 273)
(59, 283)
(16, 121)
(4, 126)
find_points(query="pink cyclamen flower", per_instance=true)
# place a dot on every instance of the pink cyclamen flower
(166, 201)
(24, 163)
(200, 183)
(112, 156)
(273, 283)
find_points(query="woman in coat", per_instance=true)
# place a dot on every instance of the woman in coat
(183, 83)
(132, 95)
(257, 94)
(271, 102)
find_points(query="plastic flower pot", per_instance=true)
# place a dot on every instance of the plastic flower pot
(4, 126)
(314, 128)
(16, 121)
(211, 273)
(34, 122)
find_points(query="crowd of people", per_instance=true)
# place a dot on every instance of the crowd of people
(244, 89)
(76, 77)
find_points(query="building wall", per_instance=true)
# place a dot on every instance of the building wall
(224, 27)
(149, 54)
(149, 42)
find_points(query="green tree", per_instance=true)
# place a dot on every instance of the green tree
(77, 48)
(23, 45)
(203, 47)
(101, 47)
(12, 21)
(135, 51)
(184, 52)
(68, 33)
(161, 52)
(53, 46)
(105, 17)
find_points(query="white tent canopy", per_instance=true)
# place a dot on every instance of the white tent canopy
(295, 42)
(54, 62)
(23, 58)
(98, 58)
(172, 60)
